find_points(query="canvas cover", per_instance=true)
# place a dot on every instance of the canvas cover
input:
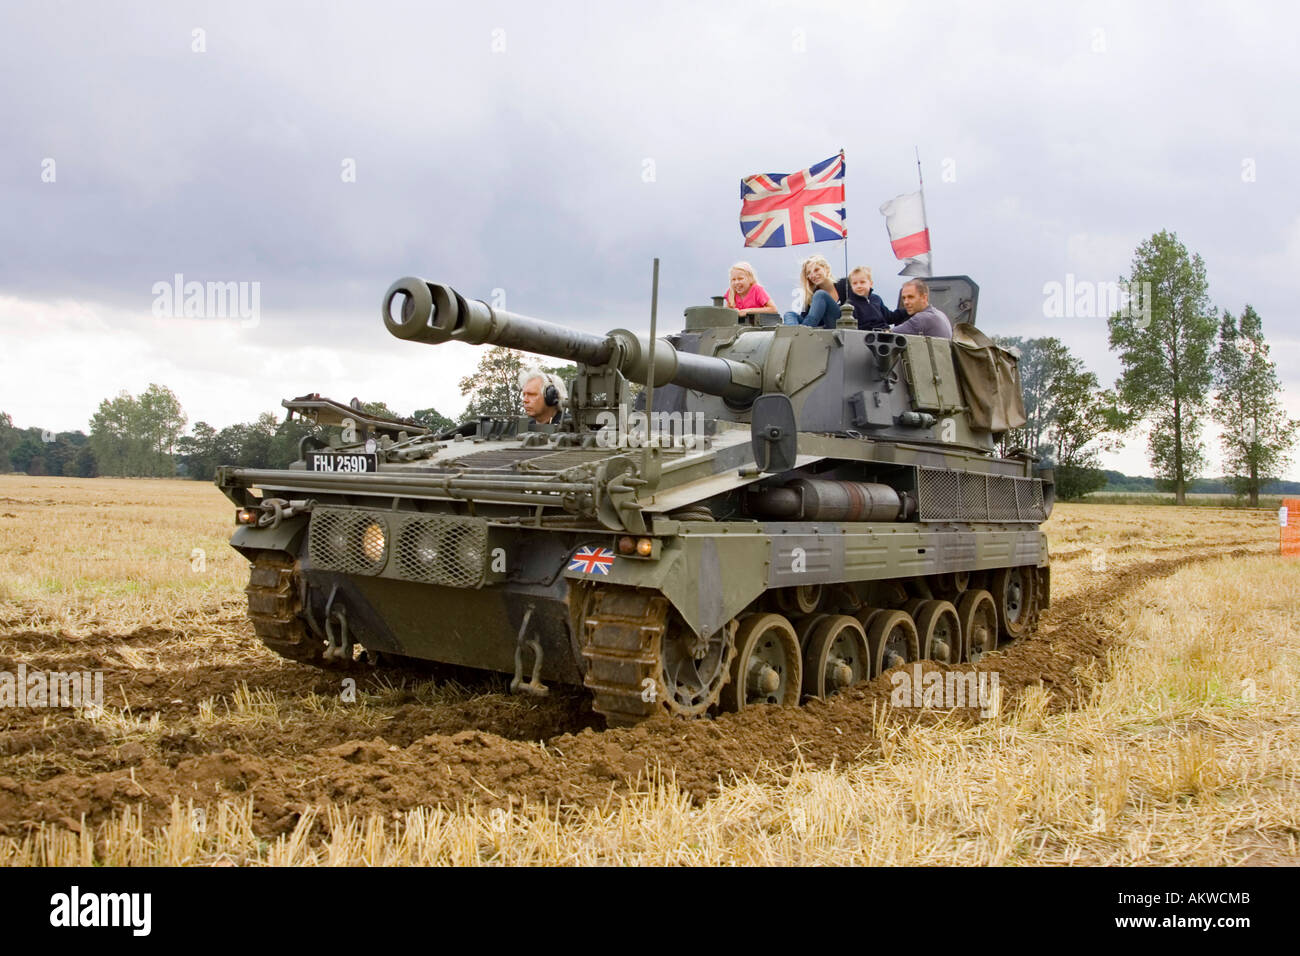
(990, 380)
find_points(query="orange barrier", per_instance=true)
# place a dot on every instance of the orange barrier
(1288, 516)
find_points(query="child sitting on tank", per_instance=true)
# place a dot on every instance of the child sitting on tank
(744, 294)
(821, 300)
(868, 308)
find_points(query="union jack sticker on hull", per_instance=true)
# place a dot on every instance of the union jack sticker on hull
(590, 560)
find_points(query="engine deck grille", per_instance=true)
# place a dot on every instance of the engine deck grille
(967, 496)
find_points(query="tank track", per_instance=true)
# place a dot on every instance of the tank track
(274, 607)
(624, 629)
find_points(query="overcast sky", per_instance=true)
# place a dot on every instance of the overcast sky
(544, 153)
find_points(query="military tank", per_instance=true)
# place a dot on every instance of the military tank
(780, 514)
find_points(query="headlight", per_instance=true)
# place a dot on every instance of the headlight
(373, 542)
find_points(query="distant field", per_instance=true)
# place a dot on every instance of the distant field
(1154, 719)
(1270, 502)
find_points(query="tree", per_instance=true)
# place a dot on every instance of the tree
(1040, 361)
(115, 437)
(1069, 417)
(1165, 354)
(493, 389)
(379, 410)
(1256, 432)
(288, 436)
(28, 456)
(162, 421)
(434, 419)
(1085, 421)
(197, 453)
(131, 437)
(8, 440)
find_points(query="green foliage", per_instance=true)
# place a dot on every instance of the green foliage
(8, 440)
(434, 419)
(1166, 363)
(35, 451)
(1038, 362)
(1070, 418)
(493, 388)
(264, 443)
(1075, 481)
(1256, 432)
(566, 371)
(379, 410)
(26, 453)
(137, 437)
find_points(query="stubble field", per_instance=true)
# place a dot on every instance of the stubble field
(1151, 720)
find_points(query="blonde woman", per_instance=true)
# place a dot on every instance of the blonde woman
(821, 303)
(744, 294)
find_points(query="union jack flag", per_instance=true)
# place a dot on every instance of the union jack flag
(790, 209)
(590, 560)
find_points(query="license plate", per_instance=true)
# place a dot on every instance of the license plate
(342, 464)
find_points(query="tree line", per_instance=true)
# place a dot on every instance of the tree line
(1183, 363)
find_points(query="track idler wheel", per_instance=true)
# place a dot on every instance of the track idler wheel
(938, 631)
(891, 638)
(835, 657)
(767, 668)
(979, 624)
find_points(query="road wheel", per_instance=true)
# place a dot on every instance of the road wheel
(891, 639)
(767, 668)
(1013, 596)
(804, 626)
(979, 624)
(835, 657)
(938, 631)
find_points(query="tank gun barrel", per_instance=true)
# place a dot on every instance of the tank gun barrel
(421, 311)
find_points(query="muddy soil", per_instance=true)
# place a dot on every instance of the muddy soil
(214, 717)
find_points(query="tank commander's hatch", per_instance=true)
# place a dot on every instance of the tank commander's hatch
(954, 296)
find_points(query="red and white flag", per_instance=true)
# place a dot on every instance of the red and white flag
(908, 234)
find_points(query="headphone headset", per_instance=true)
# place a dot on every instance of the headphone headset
(551, 395)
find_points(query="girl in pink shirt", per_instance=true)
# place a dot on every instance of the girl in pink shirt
(744, 293)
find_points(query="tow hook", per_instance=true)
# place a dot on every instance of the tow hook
(534, 685)
(338, 643)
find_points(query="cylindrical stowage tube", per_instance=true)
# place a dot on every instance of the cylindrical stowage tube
(822, 499)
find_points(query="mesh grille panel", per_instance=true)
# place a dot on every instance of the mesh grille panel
(940, 494)
(355, 542)
(1002, 498)
(966, 496)
(442, 549)
(974, 494)
(450, 550)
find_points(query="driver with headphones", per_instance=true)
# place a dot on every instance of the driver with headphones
(543, 395)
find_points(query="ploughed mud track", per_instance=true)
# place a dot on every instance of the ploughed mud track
(184, 721)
